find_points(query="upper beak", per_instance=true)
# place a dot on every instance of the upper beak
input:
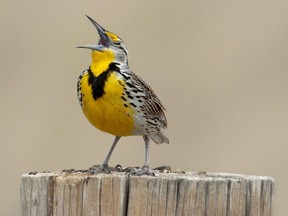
(103, 42)
(101, 31)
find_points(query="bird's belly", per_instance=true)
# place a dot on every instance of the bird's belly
(107, 116)
(109, 113)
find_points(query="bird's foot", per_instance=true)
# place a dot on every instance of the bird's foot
(104, 168)
(142, 171)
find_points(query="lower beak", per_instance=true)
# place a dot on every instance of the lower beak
(93, 47)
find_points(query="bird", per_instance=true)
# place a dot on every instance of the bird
(116, 100)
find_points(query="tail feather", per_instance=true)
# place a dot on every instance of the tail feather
(160, 138)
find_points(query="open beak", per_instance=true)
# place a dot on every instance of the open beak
(103, 41)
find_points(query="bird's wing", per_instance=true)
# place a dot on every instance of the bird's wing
(151, 103)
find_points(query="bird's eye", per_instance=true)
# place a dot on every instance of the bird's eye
(117, 43)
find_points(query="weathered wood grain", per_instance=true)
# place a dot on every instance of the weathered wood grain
(199, 194)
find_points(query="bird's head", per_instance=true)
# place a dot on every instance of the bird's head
(108, 43)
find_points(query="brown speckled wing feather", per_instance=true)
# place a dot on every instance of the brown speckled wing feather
(153, 105)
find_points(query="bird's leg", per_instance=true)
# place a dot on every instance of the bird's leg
(106, 161)
(104, 168)
(145, 168)
(146, 162)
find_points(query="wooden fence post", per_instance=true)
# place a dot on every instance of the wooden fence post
(199, 194)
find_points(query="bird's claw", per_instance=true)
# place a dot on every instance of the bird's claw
(142, 171)
(96, 169)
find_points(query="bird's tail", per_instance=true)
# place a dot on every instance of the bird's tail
(160, 138)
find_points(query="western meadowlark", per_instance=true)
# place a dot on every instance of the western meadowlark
(116, 100)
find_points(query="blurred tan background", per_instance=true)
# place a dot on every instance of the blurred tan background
(220, 68)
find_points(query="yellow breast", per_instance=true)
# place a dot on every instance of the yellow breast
(109, 113)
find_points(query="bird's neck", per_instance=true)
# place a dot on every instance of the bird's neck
(101, 61)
